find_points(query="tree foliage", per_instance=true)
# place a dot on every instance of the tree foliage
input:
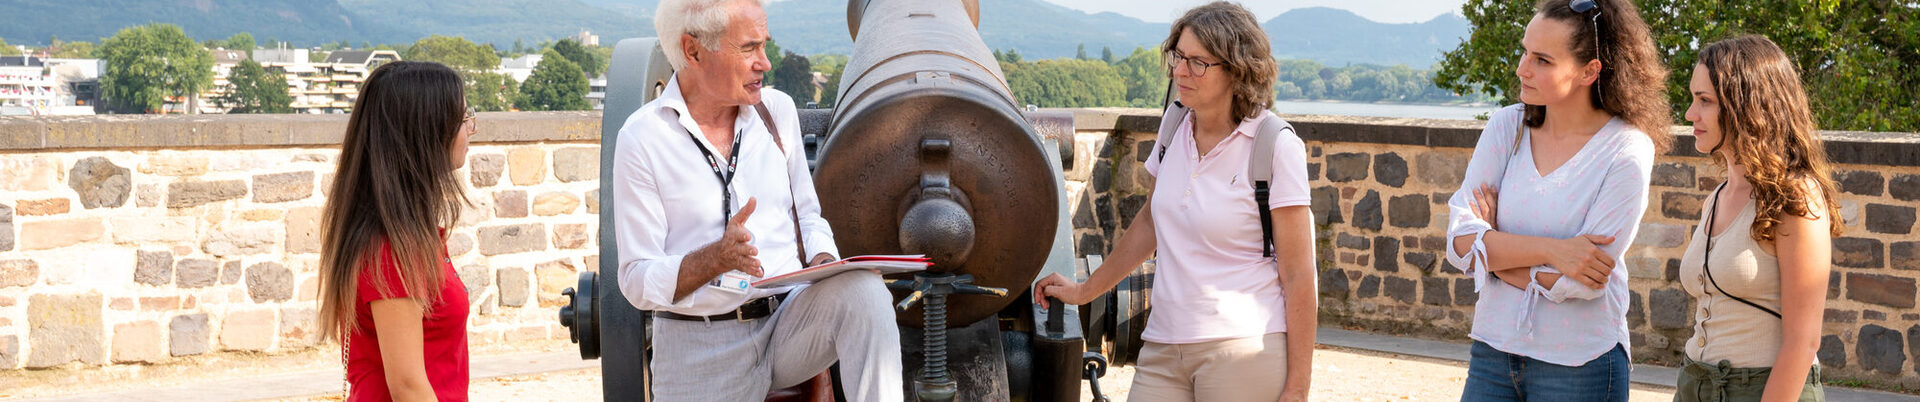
(456, 52)
(588, 60)
(148, 64)
(243, 42)
(1859, 59)
(1065, 83)
(1145, 74)
(556, 84)
(491, 92)
(8, 50)
(253, 89)
(795, 77)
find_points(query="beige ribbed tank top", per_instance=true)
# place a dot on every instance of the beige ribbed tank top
(1724, 328)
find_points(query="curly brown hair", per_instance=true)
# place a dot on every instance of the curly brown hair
(1633, 79)
(1231, 33)
(1768, 128)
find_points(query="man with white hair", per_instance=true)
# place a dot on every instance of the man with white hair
(690, 169)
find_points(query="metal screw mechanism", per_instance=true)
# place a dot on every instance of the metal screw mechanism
(936, 382)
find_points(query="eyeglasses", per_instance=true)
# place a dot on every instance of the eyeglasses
(469, 118)
(1195, 66)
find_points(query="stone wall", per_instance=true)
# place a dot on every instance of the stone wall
(139, 239)
(1380, 188)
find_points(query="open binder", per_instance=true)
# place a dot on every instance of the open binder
(884, 264)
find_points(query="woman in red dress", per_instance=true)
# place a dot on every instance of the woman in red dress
(388, 289)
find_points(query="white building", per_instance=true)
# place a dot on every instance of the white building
(27, 86)
(519, 68)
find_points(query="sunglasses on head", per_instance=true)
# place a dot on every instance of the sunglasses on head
(1582, 7)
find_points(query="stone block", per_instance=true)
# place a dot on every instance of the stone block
(1353, 242)
(303, 230)
(1410, 211)
(1904, 187)
(6, 228)
(510, 204)
(1390, 169)
(527, 165)
(151, 304)
(1890, 219)
(1661, 235)
(195, 273)
(1680, 205)
(513, 286)
(1671, 309)
(269, 282)
(1347, 166)
(1401, 289)
(121, 304)
(138, 342)
(29, 174)
(18, 273)
(230, 272)
(593, 202)
(1881, 349)
(1386, 254)
(241, 240)
(1423, 261)
(193, 194)
(1849, 212)
(298, 327)
(508, 239)
(9, 352)
(154, 230)
(1855, 252)
(476, 278)
(576, 164)
(174, 166)
(262, 215)
(1326, 206)
(484, 170)
(1644, 267)
(283, 187)
(1862, 182)
(1445, 169)
(1463, 293)
(1874, 315)
(459, 244)
(1839, 316)
(65, 328)
(1334, 284)
(1679, 175)
(1885, 290)
(1366, 212)
(1369, 287)
(50, 206)
(148, 195)
(153, 267)
(1636, 312)
(1434, 292)
(100, 183)
(570, 236)
(1833, 352)
(555, 276)
(1905, 255)
(555, 203)
(44, 235)
(248, 330)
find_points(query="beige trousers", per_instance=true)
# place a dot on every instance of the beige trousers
(1230, 370)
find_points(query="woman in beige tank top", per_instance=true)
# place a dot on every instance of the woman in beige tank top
(1758, 263)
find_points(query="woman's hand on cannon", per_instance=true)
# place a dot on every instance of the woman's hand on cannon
(1059, 287)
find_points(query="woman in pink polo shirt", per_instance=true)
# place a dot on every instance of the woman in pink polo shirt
(1223, 309)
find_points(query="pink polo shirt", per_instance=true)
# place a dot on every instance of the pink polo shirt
(1211, 282)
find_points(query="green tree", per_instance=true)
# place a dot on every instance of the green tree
(453, 51)
(1065, 83)
(1080, 53)
(773, 60)
(589, 62)
(243, 42)
(73, 50)
(830, 66)
(491, 92)
(1145, 75)
(253, 89)
(147, 65)
(556, 84)
(795, 77)
(1106, 55)
(8, 50)
(519, 47)
(1857, 58)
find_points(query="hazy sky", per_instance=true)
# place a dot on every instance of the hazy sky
(1390, 11)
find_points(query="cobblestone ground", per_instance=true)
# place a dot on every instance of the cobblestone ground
(1339, 375)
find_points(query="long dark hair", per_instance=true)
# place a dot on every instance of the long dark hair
(1767, 127)
(394, 186)
(1633, 79)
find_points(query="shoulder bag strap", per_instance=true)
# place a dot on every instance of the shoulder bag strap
(799, 241)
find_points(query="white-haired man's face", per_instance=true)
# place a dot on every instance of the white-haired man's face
(732, 73)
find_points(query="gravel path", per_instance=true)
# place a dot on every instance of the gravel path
(1339, 375)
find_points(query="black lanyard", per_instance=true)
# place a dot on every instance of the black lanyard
(726, 178)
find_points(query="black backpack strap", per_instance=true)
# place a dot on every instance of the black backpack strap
(799, 241)
(1260, 173)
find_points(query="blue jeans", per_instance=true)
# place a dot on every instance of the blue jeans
(1494, 375)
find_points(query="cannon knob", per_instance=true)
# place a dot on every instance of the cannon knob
(939, 228)
(580, 316)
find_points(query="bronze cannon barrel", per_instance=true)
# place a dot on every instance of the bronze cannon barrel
(929, 153)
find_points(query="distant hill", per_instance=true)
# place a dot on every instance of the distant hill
(1038, 29)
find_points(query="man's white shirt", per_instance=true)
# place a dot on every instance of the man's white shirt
(668, 202)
